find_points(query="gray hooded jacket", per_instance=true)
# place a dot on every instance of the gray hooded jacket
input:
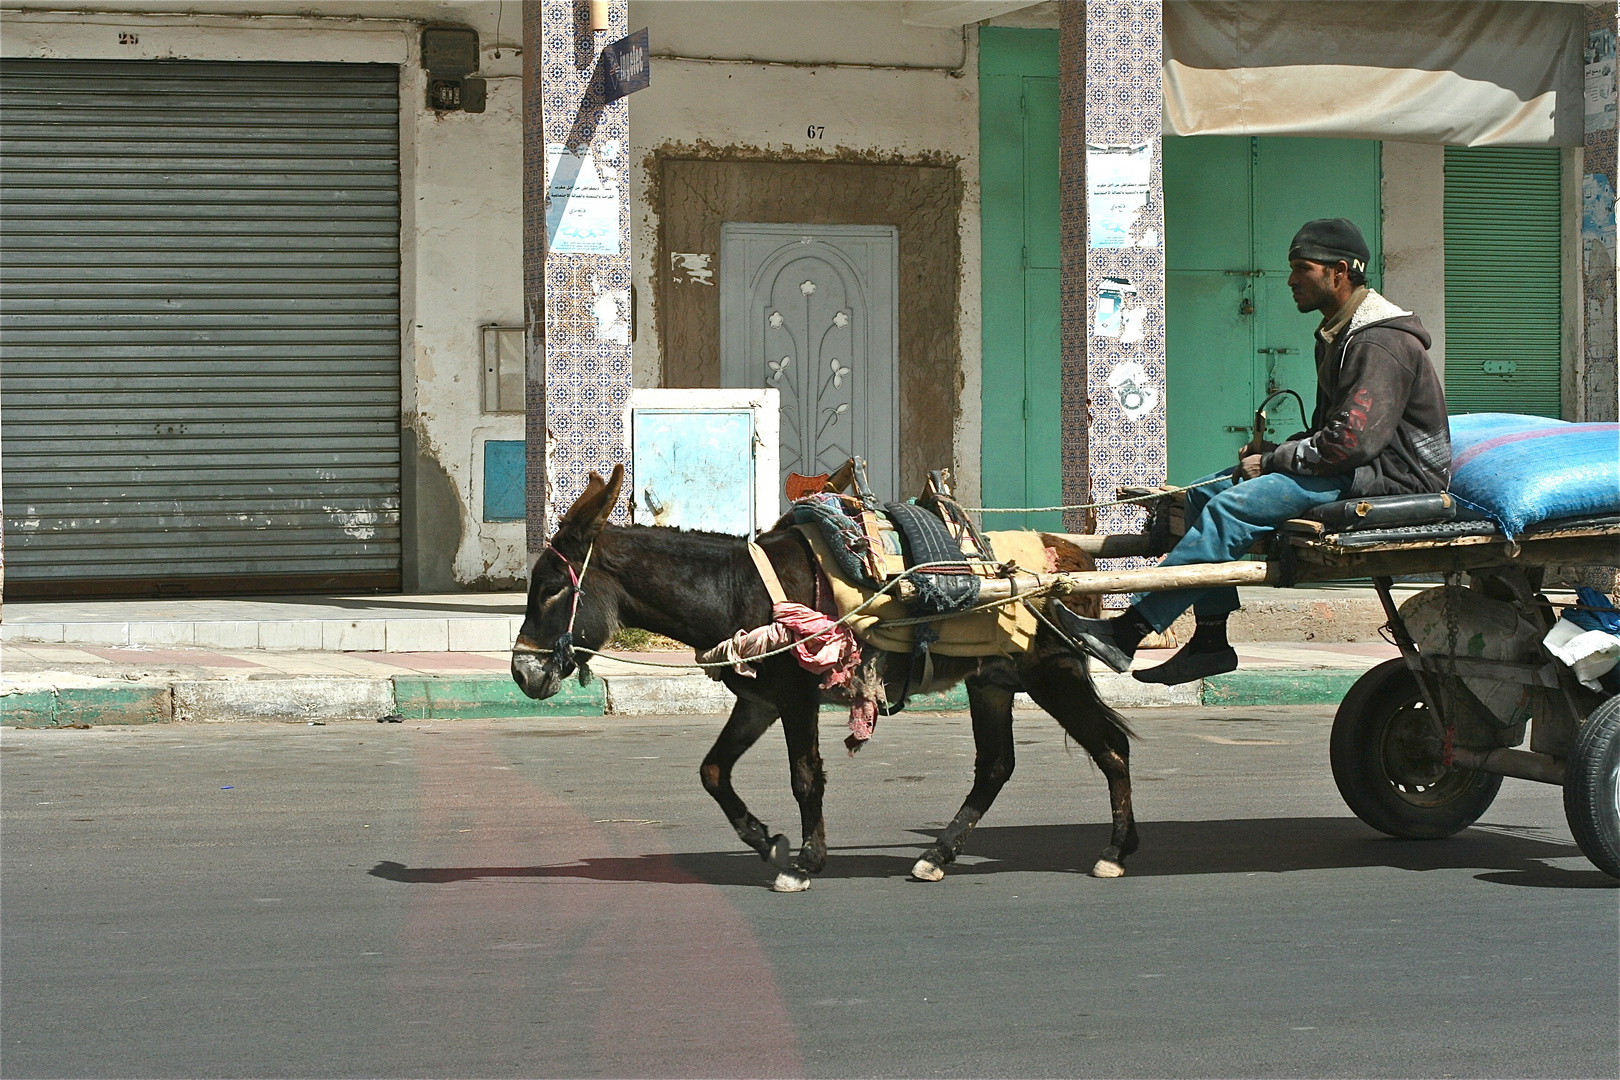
(1380, 409)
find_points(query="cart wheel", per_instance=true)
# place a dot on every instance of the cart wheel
(1386, 750)
(1592, 787)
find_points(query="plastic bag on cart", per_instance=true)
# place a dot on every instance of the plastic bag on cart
(1486, 629)
(1522, 470)
(1590, 654)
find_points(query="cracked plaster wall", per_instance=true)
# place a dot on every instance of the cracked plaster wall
(468, 254)
(460, 240)
(460, 234)
(758, 113)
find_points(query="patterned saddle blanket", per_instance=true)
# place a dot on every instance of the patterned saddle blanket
(861, 549)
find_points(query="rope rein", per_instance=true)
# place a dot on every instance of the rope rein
(874, 598)
(565, 643)
(1161, 493)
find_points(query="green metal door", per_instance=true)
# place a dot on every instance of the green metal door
(1018, 174)
(1232, 204)
(1504, 310)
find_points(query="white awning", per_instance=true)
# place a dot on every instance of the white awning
(1462, 73)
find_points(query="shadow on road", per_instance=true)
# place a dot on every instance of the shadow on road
(1510, 856)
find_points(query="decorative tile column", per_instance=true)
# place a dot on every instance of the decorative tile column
(576, 304)
(1112, 217)
(1597, 387)
(1075, 411)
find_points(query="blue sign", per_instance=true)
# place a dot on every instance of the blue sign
(628, 64)
(504, 475)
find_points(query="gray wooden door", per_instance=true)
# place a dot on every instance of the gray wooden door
(813, 311)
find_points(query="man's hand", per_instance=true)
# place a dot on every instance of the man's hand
(1248, 468)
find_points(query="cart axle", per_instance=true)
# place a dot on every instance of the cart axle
(1521, 764)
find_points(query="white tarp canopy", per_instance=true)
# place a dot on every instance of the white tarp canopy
(1463, 73)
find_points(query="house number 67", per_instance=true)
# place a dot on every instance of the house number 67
(815, 131)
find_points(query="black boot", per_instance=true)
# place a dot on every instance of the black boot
(1208, 653)
(1113, 641)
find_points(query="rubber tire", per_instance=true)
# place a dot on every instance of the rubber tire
(1591, 784)
(1357, 752)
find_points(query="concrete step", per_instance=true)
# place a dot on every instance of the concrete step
(461, 622)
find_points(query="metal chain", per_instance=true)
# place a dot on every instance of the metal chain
(1448, 696)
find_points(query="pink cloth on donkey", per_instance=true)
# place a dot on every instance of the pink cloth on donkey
(823, 647)
(834, 653)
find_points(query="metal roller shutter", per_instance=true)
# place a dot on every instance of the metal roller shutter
(1504, 295)
(199, 371)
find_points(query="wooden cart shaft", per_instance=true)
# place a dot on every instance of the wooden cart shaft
(1308, 559)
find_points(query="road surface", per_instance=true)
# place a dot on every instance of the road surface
(560, 898)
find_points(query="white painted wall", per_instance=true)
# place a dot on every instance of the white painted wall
(1414, 232)
(461, 229)
(469, 273)
(758, 107)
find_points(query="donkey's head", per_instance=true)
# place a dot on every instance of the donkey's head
(564, 610)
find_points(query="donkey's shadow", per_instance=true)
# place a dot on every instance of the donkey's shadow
(1509, 855)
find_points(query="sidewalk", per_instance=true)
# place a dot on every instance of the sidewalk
(53, 685)
(487, 622)
(330, 658)
(453, 622)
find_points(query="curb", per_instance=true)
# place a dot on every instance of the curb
(463, 697)
(425, 697)
(113, 704)
(294, 699)
(1286, 686)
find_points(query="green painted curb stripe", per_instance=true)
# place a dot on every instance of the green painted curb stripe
(1306, 686)
(429, 697)
(462, 698)
(88, 705)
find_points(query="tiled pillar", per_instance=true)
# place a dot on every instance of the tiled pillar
(1598, 387)
(1113, 263)
(1072, 306)
(577, 304)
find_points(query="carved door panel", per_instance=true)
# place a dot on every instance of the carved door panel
(812, 311)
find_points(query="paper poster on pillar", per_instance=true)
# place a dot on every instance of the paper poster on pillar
(1600, 80)
(1131, 387)
(1121, 314)
(582, 204)
(1597, 214)
(1119, 181)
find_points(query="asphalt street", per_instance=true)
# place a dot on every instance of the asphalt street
(560, 898)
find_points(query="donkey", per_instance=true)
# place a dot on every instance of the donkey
(699, 588)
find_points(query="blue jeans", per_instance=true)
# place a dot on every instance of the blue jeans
(1223, 522)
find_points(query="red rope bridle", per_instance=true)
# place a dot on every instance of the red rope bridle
(562, 651)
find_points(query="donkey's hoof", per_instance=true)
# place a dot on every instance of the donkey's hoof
(1108, 868)
(780, 853)
(790, 881)
(924, 870)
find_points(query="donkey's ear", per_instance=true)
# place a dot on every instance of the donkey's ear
(593, 508)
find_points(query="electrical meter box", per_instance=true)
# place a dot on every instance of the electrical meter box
(705, 459)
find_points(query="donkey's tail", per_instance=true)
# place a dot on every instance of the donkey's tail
(1091, 697)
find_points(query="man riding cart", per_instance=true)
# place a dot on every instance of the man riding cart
(1379, 428)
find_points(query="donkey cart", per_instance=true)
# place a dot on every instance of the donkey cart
(1420, 744)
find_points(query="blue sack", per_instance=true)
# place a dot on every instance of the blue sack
(1522, 470)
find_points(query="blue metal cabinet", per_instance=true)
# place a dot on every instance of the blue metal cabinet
(704, 459)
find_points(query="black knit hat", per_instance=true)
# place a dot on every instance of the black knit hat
(1327, 240)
